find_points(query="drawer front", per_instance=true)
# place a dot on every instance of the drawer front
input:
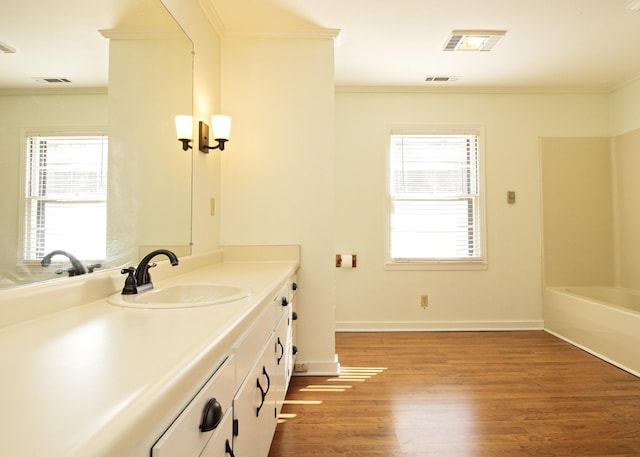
(184, 437)
(255, 338)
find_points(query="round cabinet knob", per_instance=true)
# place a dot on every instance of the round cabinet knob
(294, 286)
(294, 350)
(294, 316)
(211, 415)
(285, 301)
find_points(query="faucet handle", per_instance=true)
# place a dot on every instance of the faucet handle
(130, 287)
(93, 266)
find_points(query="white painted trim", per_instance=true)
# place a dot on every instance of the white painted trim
(594, 353)
(425, 326)
(212, 16)
(320, 367)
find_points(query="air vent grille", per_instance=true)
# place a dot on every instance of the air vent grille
(52, 80)
(441, 79)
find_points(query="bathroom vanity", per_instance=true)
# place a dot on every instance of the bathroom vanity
(102, 380)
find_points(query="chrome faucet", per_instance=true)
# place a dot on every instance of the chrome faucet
(142, 276)
(76, 266)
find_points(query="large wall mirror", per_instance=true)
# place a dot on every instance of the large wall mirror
(89, 161)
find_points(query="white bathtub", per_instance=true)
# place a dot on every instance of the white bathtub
(604, 321)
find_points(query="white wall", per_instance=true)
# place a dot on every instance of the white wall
(625, 108)
(508, 294)
(277, 172)
(577, 207)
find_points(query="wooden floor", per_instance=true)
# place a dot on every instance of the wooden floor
(461, 394)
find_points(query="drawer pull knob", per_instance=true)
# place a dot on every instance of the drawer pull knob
(285, 301)
(211, 415)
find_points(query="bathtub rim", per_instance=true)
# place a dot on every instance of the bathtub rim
(563, 291)
(572, 323)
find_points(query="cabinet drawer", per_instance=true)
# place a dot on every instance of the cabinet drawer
(255, 338)
(184, 438)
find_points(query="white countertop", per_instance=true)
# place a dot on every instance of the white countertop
(99, 380)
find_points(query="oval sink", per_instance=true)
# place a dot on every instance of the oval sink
(183, 296)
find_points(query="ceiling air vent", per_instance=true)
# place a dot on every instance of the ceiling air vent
(441, 79)
(52, 80)
(473, 40)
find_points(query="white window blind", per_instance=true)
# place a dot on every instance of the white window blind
(434, 183)
(66, 196)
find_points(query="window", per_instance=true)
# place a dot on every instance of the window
(65, 205)
(435, 201)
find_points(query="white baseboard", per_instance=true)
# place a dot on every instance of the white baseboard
(594, 353)
(425, 326)
(319, 367)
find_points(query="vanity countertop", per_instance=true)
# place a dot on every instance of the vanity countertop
(99, 380)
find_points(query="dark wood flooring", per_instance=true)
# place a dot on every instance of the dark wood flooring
(461, 394)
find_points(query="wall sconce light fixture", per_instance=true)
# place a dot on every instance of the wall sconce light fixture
(221, 126)
(184, 129)
(221, 129)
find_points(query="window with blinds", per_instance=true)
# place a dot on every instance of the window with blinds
(435, 207)
(65, 196)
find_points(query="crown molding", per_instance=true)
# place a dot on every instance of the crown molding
(212, 15)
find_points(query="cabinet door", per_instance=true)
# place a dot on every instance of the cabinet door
(220, 444)
(254, 408)
(282, 359)
(190, 432)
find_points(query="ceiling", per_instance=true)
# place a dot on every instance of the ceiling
(61, 39)
(559, 44)
(589, 45)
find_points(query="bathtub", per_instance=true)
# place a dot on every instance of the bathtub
(604, 321)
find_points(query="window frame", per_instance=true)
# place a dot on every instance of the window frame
(53, 131)
(479, 263)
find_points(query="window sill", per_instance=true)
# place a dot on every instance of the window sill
(437, 265)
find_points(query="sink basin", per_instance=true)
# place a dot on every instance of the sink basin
(183, 296)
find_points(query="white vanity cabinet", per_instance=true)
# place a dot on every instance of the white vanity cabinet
(206, 418)
(247, 392)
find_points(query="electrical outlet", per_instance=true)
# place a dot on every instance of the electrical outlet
(424, 301)
(300, 367)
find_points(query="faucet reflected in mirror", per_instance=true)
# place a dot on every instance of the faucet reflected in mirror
(139, 279)
(76, 268)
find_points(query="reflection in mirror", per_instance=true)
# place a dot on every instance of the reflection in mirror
(51, 171)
